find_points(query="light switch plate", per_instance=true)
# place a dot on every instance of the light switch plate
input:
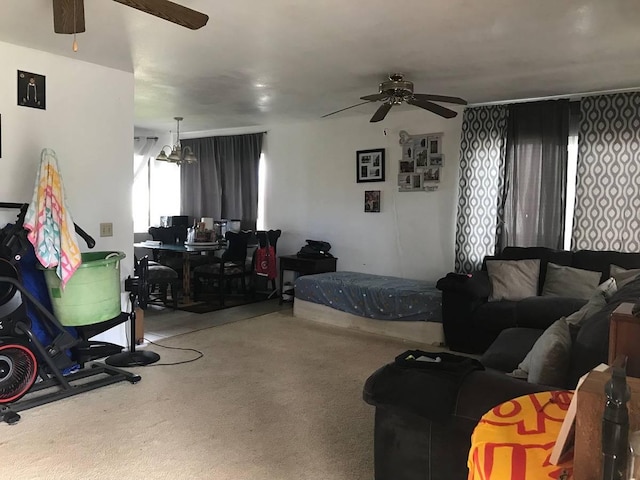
(106, 229)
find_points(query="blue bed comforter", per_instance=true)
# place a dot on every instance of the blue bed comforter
(372, 296)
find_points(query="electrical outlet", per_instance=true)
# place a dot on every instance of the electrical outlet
(106, 229)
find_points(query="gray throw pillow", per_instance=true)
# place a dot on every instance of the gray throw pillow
(598, 300)
(563, 281)
(548, 361)
(513, 279)
(622, 275)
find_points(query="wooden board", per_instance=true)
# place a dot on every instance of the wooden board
(429, 333)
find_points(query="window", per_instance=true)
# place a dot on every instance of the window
(156, 192)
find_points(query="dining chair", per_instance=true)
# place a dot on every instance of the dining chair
(230, 265)
(160, 279)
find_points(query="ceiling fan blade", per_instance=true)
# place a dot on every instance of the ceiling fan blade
(63, 16)
(169, 11)
(432, 107)
(374, 98)
(343, 109)
(440, 98)
(381, 113)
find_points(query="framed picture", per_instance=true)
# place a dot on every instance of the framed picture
(408, 182)
(436, 160)
(434, 145)
(407, 167)
(370, 165)
(372, 201)
(31, 90)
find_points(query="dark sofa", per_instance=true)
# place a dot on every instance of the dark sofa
(412, 443)
(471, 323)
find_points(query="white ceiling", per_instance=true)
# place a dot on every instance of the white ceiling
(258, 62)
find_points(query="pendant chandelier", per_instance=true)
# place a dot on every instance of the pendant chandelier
(177, 154)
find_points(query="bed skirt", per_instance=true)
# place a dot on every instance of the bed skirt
(424, 332)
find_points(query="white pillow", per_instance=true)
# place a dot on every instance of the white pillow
(622, 275)
(563, 281)
(548, 361)
(598, 300)
(513, 279)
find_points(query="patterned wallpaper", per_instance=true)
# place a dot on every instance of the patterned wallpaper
(607, 212)
(482, 154)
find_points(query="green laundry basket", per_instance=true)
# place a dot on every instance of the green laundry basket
(92, 294)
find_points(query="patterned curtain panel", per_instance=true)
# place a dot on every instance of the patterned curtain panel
(607, 193)
(482, 156)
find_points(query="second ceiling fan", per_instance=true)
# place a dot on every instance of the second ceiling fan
(68, 15)
(397, 90)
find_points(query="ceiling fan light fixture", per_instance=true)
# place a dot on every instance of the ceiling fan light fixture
(396, 91)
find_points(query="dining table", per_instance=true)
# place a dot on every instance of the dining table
(187, 250)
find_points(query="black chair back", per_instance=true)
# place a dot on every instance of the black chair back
(237, 246)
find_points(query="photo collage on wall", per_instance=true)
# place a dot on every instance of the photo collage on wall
(421, 163)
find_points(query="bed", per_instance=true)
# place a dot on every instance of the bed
(385, 305)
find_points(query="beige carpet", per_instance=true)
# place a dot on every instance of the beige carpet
(273, 398)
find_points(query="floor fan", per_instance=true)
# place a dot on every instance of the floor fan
(138, 288)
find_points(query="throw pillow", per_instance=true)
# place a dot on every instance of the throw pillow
(622, 275)
(563, 281)
(513, 279)
(598, 300)
(548, 361)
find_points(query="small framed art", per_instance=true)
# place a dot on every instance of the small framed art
(31, 90)
(370, 165)
(372, 201)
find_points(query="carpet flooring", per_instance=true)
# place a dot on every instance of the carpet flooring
(274, 397)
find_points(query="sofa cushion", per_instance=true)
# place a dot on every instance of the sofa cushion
(598, 300)
(601, 260)
(546, 255)
(622, 275)
(591, 345)
(548, 360)
(563, 281)
(541, 312)
(495, 316)
(510, 348)
(513, 279)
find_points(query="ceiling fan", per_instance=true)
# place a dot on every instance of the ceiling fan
(397, 90)
(68, 15)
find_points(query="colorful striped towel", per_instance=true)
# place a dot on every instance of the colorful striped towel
(51, 229)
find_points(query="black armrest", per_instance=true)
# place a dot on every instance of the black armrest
(482, 390)
(476, 285)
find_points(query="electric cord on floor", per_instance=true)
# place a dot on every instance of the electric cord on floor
(200, 354)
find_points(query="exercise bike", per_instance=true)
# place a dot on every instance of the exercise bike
(51, 362)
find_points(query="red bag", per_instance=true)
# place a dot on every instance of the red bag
(266, 262)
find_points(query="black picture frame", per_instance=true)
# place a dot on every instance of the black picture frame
(370, 165)
(372, 201)
(32, 90)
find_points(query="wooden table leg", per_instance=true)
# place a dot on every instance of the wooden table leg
(186, 277)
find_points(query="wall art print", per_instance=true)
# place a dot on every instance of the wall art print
(372, 201)
(31, 90)
(421, 163)
(370, 165)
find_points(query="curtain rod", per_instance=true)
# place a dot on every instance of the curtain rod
(569, 96)
(148, 138)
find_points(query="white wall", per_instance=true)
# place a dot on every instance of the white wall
(89, 123)
(311, 193)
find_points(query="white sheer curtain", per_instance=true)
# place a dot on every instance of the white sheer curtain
(156, 186)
